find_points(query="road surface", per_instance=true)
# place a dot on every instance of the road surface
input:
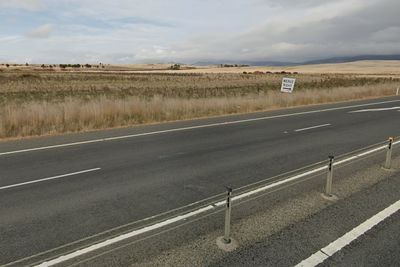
(335, 236)
(56, 190)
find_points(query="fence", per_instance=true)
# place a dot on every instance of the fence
(344, 160)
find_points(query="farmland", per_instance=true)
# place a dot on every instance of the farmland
(42, 101)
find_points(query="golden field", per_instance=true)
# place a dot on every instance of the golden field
(37, 100)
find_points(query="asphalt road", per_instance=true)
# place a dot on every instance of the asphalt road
(99, 184)
(379, 246)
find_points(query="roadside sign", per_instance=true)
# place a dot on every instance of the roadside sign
(288, 85)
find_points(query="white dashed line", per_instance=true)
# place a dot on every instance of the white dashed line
(312, 127)
(49, 178)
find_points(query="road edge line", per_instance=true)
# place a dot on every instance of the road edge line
(335, 246)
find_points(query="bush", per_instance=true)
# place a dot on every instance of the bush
(175, 67)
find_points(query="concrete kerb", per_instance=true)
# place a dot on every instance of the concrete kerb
(330, 197)
(227, 247)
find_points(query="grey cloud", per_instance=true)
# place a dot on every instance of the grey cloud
(296, 3)
(32, 5)
(133, 31)
(40, 32)
(372, 29)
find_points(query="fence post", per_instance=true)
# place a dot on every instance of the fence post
(228, 209)
(328, 188)
(226, 242)
(388, 163)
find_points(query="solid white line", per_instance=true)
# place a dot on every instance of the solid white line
(190, 128)
(373, 109)
(124, 236)
(49, 178)
(193, 213)
(349, 237)
(312, 127)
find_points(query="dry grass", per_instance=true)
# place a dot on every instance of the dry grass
(48, 102)
(364, 67)
(79, 114)
(41, 86)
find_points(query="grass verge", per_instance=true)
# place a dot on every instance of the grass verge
(35, 118)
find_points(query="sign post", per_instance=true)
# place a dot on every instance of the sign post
(287, 85)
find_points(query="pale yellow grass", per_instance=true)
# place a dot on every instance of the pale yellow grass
(73, 115)
(365, 67)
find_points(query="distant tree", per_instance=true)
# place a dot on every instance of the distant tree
(43, 66)
(26, 64)
(7, 65)
(175, 67)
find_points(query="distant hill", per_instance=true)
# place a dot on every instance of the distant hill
(318, 61)
(351, 59)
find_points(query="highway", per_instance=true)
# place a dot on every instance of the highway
(56, 190)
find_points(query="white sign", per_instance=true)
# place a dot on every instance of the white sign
(288, 85)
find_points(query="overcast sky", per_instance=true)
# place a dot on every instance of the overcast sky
(131, 31)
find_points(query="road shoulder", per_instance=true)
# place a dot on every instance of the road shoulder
(277, 229)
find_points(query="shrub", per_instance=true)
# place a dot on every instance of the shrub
(175, 67)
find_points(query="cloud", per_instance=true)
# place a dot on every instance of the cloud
(342, 28)
(41, 32)
(32, 5)
(190, 30)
